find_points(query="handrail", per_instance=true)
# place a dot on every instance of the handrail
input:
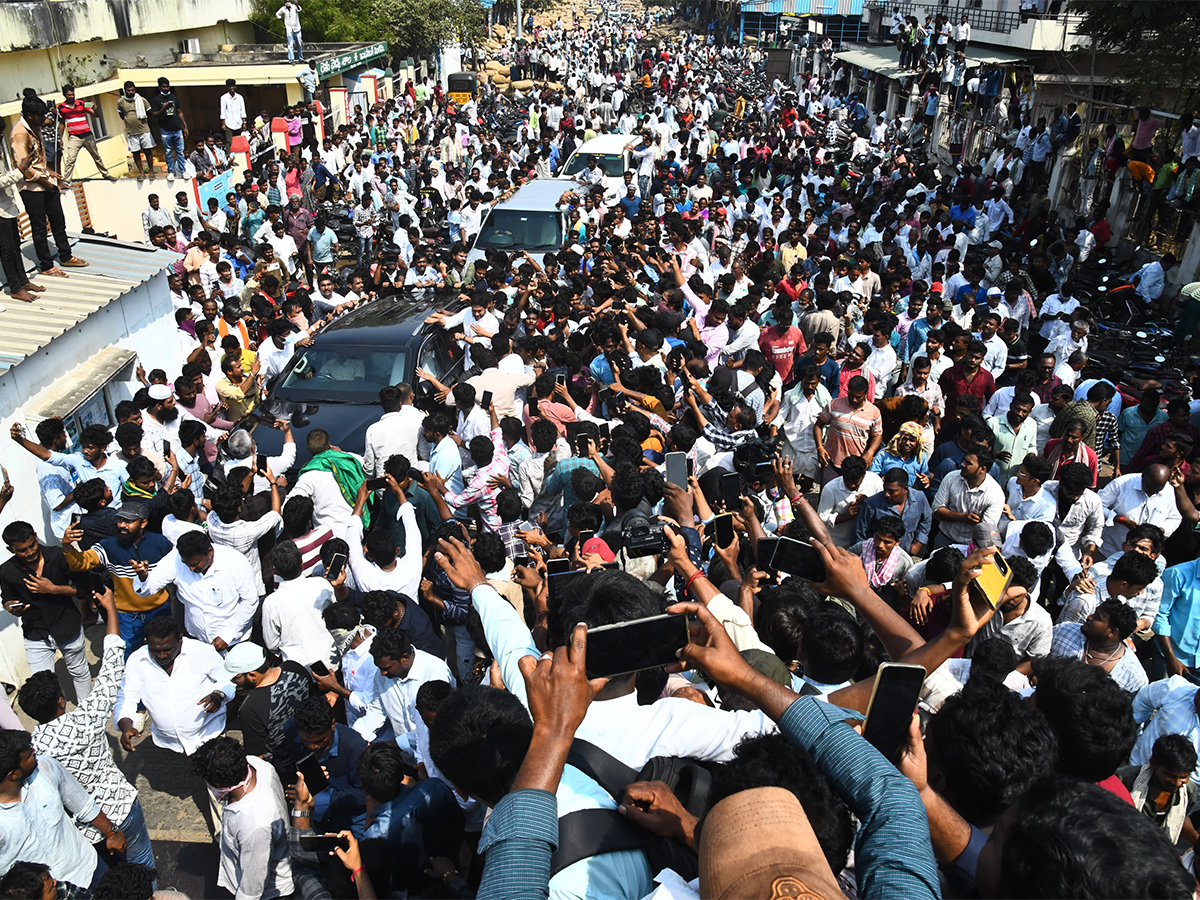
(994, 20)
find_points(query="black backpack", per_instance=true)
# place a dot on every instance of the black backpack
(591, 832)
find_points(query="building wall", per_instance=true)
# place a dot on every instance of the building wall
(141, 320)
(31, 24)
(47, 69)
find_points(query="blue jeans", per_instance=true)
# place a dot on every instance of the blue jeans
(133, 626)
(137, 838)
(173, 152)
(364, 248)
(294, 40)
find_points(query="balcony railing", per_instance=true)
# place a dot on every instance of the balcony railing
(994, 20)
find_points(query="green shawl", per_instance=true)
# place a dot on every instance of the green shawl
(346, 470)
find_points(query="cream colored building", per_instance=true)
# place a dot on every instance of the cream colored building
(197, 44)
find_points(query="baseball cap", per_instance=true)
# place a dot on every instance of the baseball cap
(131, 511)
(759, 843)
(159, 392)
(600, 548)
(935, 288)
(244, 657)
(994, 291)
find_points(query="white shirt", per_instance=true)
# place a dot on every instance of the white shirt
(799, 414)
(955, 494)
(330, 509)
(37, 826)
(292, 623)
(1040, 507)
(177, 721)
(395, 433)
(220, 603)
(1124, 497)
(233, 110)
(1082, 526)
(243, 536)
(405, 576)
(255, 860)
(836, 499)
(396, 698)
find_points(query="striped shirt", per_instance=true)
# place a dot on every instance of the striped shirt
(76, 116)
(848, 430)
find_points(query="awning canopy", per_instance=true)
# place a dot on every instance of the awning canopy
(804, 7)
(885, 60)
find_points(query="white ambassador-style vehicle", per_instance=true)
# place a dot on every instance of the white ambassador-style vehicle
(529, 220)
(614, 159)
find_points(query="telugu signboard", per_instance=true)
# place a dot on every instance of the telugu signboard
(332, 65)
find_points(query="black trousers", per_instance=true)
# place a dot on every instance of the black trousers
(10, 255)
(43, 207)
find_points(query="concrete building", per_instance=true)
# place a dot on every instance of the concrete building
(197, 45)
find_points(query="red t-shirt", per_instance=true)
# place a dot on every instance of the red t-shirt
(954, 385)
(1113, 785)
(75, 115)
(781, 348)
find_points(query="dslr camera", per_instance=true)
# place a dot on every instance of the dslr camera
(644, 538)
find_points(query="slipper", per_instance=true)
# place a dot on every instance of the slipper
(56, 272)
(74, 262)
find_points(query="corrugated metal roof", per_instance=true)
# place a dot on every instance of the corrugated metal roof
(885, 59)
(115, 268)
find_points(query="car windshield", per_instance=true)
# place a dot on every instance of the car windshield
(613, 164)
(520, 229)
(351, 373)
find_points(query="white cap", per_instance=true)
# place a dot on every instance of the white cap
(159, 392)
(244, 657)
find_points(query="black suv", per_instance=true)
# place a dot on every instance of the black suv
(335, 383)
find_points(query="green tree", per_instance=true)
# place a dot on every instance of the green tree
(324, 21)
(409, 26)
(1157, 42)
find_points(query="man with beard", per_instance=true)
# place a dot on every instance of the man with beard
(161, 422)
(115, 555)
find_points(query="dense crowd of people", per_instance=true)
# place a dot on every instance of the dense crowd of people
(750, 354)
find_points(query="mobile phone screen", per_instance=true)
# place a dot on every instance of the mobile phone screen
(584, 537)
(322, 843)
(377, 484)
(723, 529)
(320, 668)
(604, 431)
(557, 566)
(731, 491)
(763, 471)
(260, 462)
(486, 400)
(166, 448)
(632, 646)
(765, 553)
(558, 583)
(336, 564)
(583, 446)
(314, 777)
(893, 700)
(677, 469)
(799, 558)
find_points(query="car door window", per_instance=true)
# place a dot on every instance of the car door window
(430, 360)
